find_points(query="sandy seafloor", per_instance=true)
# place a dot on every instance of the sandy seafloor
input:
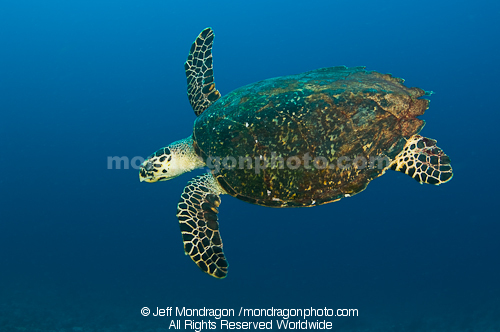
(84, 248)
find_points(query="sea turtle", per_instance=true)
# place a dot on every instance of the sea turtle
(293, 141)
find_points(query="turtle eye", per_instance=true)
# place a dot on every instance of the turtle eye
(149, 166)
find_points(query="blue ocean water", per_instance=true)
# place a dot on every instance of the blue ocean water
(84, 247)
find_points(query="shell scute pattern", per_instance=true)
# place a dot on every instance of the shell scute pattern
(330, 113)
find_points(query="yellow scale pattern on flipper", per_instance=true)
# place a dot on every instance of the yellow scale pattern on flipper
(197, 213)
(423, 161)
(199, 73)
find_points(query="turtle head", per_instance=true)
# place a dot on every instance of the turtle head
(170, 162)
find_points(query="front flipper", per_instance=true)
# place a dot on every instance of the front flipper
(200, 74)
(423, 161)
(197, 213)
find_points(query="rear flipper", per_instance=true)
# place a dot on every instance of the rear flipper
(424, 161)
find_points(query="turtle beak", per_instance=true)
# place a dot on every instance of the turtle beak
(146, 172)
(159, 167)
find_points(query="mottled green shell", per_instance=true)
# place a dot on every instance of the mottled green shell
(329, 113)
